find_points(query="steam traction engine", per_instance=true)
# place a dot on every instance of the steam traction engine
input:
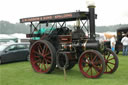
(64, 47)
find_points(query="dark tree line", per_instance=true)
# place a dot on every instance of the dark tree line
(9, 28)
(111, 28)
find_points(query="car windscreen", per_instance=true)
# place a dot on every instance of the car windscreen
(2, 47)
(22, 46)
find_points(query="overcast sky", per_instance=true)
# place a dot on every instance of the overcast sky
(110, 12)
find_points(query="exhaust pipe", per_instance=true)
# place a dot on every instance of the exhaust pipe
(91, 7)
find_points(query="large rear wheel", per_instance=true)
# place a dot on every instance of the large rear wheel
(42, 56)
(91, 64)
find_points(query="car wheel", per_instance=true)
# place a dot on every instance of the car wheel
(28, 58)
(0, 61)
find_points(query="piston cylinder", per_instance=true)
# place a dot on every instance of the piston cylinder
(91, 45)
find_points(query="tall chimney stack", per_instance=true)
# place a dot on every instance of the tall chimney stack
(91, 7)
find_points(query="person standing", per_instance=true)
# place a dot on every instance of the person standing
(113, 43)
(124, 41)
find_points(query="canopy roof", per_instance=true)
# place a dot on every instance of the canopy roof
(57, 17)
(123, 29)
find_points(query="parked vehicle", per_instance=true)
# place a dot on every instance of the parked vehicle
(120, 34)
(14, 52)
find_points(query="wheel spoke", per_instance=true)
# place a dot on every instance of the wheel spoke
(86, 56)
(86, 65)
(47, 54)
(96, 67)
(111, 63)
(48, 61)
(43, 51)
(36, 61)
(111, 59)
(37, 53)
(48, 57)
(44, 64)
(94, 58)
(87, 60)
(91, 56)
(41, 67)
(108, 56)
(36, 56)
(40, 47)
(88, 69)
(98, 62)
(91, 71)
(109, 67)
(106, 67)
(96, 70)
(46, 50)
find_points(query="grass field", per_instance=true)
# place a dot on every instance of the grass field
(21, 73)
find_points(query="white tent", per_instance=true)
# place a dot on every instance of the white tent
(5, 36)
(18, 35)
(11, 37)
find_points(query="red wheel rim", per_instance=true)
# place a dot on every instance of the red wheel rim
(90, 65)
(110, 61)
(41, 57)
